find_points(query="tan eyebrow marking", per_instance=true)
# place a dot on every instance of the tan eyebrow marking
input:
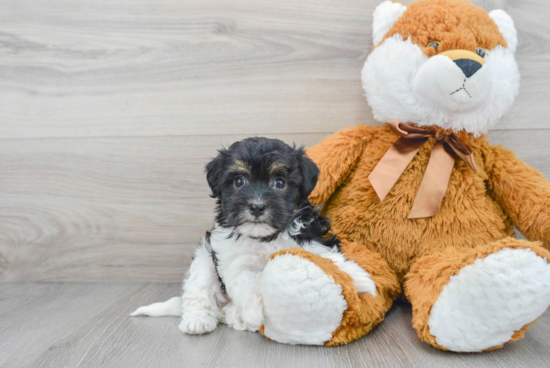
(239, 165)
(277, 166)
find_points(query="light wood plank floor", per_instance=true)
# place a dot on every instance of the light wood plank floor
(87, 325)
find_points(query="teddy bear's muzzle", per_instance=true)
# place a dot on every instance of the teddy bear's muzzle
(454, 81)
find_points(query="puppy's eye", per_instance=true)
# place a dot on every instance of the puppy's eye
(279, 183)
(239, 181)
(481, 51)
(434, 44)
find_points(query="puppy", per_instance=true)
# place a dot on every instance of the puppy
(262, 187)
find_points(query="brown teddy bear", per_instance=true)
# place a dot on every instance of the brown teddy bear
(426, 201)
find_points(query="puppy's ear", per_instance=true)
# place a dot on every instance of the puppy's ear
(214, 173)
(310, 174)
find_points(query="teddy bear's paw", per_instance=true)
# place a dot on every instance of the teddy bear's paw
(490, 300)
(198, 323)
(302, 303)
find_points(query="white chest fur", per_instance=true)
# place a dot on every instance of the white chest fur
(237, 254)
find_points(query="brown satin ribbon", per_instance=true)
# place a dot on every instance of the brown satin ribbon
(436, 178)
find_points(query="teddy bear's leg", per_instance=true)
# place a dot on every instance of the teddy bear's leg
(469, 300)
(308, 300)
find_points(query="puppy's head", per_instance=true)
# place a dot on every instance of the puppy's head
(260, 184)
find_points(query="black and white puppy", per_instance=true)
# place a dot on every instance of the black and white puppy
(262, 187)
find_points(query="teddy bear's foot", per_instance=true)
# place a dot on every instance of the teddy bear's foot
(496, 293)
(488, 301)
(309, 300)
(302, 303)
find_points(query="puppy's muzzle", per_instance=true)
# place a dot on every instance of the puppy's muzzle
(256, 209)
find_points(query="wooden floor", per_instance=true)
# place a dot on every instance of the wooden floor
(87, 325)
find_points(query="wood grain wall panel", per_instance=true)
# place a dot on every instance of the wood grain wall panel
(105, 208)
(142, 68)
(132, 208)
(75, 68)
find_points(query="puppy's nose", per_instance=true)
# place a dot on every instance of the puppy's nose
(257, 209)
(469, 67)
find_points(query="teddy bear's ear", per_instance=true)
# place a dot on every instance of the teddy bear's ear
(506, 27)
(385, 15)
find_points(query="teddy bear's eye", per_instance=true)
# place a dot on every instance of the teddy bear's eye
(481, 51)
(434, 44)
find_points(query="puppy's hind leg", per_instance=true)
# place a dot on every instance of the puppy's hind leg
(361, 279)
(201, 293)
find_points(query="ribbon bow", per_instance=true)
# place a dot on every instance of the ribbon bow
(436, 178)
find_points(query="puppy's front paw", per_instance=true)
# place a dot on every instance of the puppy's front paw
(253, 313)
(198, 324)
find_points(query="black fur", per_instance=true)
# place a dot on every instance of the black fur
(282, 206)
(214, 260)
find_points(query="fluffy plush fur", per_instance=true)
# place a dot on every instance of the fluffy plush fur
(363, 311)
(472, 234)
(506, 283)
(262, 187)
(407, 80)
(469, 316)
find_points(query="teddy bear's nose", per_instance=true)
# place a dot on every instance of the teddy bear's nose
(469, 67)
(469, 62)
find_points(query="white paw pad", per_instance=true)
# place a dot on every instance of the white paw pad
(198, 324)
(302, 304)
(487, 301)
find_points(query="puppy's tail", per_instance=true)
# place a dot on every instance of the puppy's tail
(171, 307)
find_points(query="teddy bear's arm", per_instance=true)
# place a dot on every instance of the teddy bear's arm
(336, 157)
(523, 193)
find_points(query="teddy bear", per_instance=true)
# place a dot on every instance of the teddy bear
(425, 204)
